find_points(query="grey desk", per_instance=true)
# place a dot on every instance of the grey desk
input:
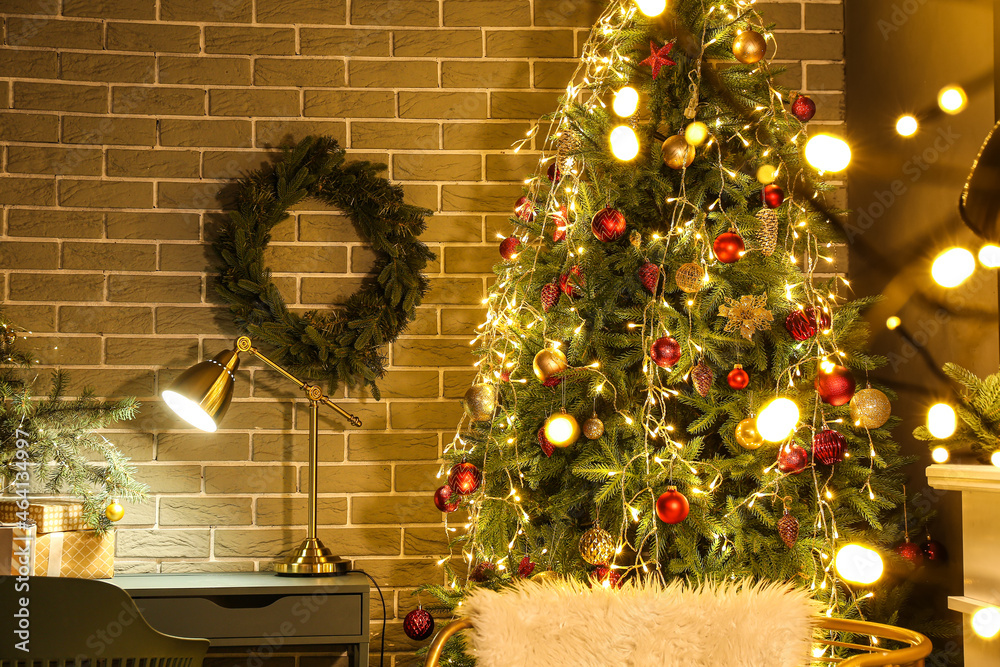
(256, 608)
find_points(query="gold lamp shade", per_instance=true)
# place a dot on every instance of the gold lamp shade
(201, 394)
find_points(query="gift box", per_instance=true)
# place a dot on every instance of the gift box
(17, 550)
(49, 515)
(84, 554)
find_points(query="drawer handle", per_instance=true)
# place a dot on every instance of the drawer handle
(244, 601)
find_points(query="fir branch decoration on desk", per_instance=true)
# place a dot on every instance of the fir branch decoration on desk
(344, 344)
(978, 412)
(65, 453)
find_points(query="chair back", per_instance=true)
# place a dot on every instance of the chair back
(66, 622)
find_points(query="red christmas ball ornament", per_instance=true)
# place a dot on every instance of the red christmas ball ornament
(738, 378)
(803, 108)
(910, 552)
(465, 478)
(729, 247)
(934, 551)
(562, 221)
(606, 577)
(572, 283)
(803, 324)
(649, 274)
(672, 506)
(773, 196)
(665, 352)
(524, 209)
(608, 225)
(543, 442)
(447, 499)
(553, 173)
(829, 446)
(792, 459)
(418, 624)
(835, 385)
(509, 246)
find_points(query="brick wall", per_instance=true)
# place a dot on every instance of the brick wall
(121, 123)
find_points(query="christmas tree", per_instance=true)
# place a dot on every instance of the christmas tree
(49, 443)
(974, 426)
(662, 286)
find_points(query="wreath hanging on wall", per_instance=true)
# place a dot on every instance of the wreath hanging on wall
(342, 344)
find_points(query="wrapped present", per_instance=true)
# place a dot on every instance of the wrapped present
(17, 550)
(50, 515)
(83, 554)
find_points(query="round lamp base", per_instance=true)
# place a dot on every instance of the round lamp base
(312, 557)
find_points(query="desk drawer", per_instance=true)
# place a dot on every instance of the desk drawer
(255, 616)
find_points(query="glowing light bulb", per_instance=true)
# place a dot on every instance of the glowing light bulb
(941, 420)
(624, 143)
(986, 622)
(952, 99)
(651, 7)
(989, 256)
(778, 419)
(995, 459)
(562, 429)
(859, 564)
(626, 102)
(906, 126)
(696, 133)
(828, 153)
(952, 267)
(940, 455)
(893, 323)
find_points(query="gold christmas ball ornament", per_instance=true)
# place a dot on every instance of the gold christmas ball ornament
(690, 277)
(747, 434)
(480, 402)
(677, 153)
(561, 429)
(749, 47)
(593, 428)
(870, 408)
(597, 546)
(548, 362)
(114, 511)
(696, 133)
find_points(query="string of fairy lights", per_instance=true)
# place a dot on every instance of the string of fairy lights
(603, 75)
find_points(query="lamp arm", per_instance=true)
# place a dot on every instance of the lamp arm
(244, 344)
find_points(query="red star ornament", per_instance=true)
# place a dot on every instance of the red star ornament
(658, 57)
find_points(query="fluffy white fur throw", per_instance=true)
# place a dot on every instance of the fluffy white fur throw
(640, 625)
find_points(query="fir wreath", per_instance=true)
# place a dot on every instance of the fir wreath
(342, 344)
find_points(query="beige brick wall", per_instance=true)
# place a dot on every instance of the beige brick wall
(121, 123)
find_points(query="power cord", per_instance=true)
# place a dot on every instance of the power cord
(381, 657)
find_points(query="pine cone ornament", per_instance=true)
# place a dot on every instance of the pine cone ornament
(788, 529)
(482, 572)
(525, 567)
(767, 237)
(702, 377)
(649, 274)
(829, 446)
(567, 144)
(543, 442)
(550, 296)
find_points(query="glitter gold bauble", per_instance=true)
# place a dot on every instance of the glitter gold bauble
(548, 362)
(561, 430)
(747, 434)
(480, 402)
(593, 428)
(677, 152)
(690, 277)
(114, 511)
(569, 142)
(870, 408)
(597, 546)
(749, 47)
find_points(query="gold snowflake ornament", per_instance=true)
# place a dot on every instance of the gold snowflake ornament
(748, 314)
